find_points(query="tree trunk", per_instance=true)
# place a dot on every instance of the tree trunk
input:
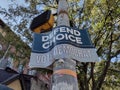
(64, 70)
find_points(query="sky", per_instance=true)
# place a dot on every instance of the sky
(5, 4)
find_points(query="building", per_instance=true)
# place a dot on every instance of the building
(15, 80)
(14, 58)
(13, 51)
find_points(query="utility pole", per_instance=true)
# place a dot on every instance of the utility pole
(61, 47)
(64, 70)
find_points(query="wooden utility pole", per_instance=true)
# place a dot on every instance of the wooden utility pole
(64, 70)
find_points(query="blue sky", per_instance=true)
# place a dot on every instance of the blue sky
(5, 3)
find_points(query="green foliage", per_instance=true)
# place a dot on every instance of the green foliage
(104, 31)
(22, 50)
(102, 17)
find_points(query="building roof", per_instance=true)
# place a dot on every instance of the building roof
(3, 87)
(8, 75)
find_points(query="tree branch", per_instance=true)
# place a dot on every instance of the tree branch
(102, 77)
